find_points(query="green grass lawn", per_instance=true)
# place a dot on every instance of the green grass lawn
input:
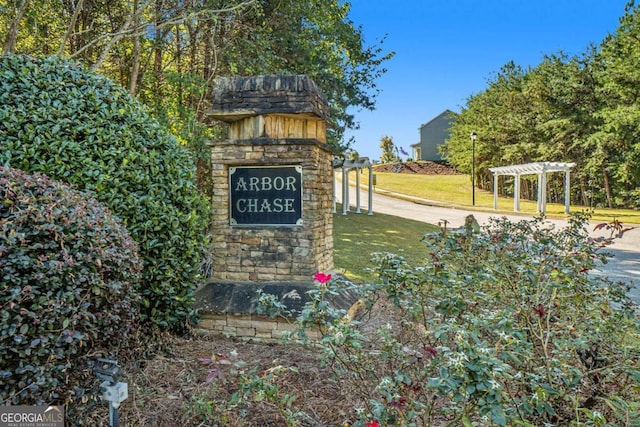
(357, 236)
(456, 190)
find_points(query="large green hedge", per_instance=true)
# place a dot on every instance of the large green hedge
(68, 271)
(81, 128)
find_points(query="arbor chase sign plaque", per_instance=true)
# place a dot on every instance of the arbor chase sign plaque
(265, 195)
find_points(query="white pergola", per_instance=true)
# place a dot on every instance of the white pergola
(347, 166)
(539, 168)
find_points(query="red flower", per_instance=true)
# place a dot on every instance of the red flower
(540, 311)
(322, 278)
(430, 351)
(398, 404)
(373, 423)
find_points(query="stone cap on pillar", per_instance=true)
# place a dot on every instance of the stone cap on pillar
(236, 98)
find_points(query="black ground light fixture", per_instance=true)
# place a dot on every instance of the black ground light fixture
(473, 167)
(113, 391)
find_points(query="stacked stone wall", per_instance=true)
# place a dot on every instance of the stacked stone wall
(267, 253)
(249, 327)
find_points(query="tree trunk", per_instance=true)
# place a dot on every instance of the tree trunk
(135, 56)
(157, 54)
(208, 66)
(525, 189)
(583, 193)
(195, 32)
(70, 27)
(607, 187)
(179, 68)
(9, 45)
(121, 33)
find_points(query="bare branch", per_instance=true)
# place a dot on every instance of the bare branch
(116, 37)
(133, 27)
(67, 34)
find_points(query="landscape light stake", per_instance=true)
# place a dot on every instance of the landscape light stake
(473, 167)
(113, 391)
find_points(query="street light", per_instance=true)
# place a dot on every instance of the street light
(473, 167)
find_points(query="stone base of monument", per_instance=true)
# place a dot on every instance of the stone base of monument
(229, 309)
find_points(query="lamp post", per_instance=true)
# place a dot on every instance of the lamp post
(473, 167)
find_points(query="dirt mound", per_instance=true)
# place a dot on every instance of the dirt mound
(421, 167)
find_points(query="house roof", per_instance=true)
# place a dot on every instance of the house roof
(445, 112)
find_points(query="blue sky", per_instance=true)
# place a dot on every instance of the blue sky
(447, 50)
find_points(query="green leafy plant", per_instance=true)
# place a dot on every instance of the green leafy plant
(258, 389)
(263, 386)
(500, 326)
(68, 270)
(81, 128)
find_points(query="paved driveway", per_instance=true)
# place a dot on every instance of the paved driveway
(623, 265)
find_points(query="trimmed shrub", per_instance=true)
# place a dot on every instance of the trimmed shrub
(83, 129)
(67, 273)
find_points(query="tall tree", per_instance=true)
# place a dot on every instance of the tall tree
(619, 91)
(316, 38)
(388, 150)
(168, 52)
(564, 94)
(139, 43)
(501, 118)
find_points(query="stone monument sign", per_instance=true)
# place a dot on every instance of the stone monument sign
(272, 196)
